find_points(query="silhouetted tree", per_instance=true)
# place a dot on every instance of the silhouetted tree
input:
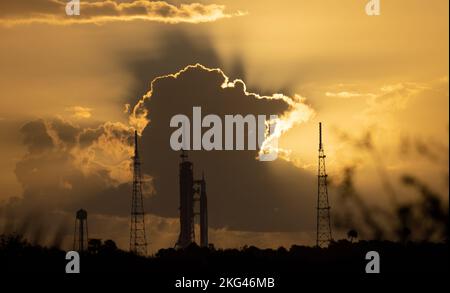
(94, 245)
(352, 235)
(18, 255)
(109, 246)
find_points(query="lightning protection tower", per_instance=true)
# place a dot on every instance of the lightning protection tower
(138, 242)
(323, 207)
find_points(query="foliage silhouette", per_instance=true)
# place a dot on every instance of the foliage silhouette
(17, 255)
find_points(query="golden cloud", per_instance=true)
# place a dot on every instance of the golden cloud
(347, 94)
(54, 12)
(79, 112)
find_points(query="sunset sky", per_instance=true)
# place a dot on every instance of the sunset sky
(69, 87)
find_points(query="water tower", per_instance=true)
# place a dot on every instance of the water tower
(80, 239)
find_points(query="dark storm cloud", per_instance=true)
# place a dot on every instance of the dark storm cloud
(244, 194)
(66, 132)
(40, 135)
(36, 137)
(66, 175)
(89, 136)
(55, 185)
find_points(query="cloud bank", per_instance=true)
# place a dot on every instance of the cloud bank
(69, 166)
(98, 12)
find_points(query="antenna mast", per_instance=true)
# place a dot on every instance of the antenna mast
(138, 242)
(324, 237)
